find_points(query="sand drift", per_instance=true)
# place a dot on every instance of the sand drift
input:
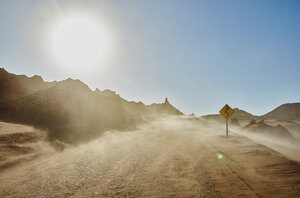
(170, 157)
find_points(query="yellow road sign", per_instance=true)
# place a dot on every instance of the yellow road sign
(226, 111)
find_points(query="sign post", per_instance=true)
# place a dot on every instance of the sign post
(226, 112)
(226, 127)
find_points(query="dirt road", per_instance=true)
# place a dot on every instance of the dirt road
(167, 158)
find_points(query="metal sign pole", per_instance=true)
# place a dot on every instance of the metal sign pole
(226, 128)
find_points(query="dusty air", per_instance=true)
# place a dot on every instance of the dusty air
(157, 99)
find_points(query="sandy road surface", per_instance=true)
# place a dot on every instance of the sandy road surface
(169, 158)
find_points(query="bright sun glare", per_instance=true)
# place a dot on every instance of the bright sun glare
(78, 41)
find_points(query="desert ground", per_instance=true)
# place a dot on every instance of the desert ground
(174, 156)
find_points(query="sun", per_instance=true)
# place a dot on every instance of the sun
(78, 41)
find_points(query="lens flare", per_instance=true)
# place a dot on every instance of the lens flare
(220, 156)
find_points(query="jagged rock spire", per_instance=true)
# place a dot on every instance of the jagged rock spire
(166, 101)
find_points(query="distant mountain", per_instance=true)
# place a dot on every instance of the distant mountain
(238, 114)
(69, 109)
(285, 112)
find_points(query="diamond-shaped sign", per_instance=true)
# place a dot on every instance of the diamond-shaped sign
(226, 111)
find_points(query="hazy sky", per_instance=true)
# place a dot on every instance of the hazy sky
(199, 54)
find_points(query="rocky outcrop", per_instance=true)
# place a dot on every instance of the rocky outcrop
(262, 128)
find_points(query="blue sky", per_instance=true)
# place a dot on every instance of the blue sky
(199, 54)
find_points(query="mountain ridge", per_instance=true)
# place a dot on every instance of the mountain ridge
(69, 110)
(284, 112)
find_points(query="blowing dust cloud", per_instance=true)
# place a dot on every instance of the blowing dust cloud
(145, 99)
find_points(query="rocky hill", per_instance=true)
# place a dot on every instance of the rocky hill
(69, 109)
(15, 86)
(286, 112)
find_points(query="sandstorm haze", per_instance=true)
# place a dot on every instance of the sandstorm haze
(122, 98)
